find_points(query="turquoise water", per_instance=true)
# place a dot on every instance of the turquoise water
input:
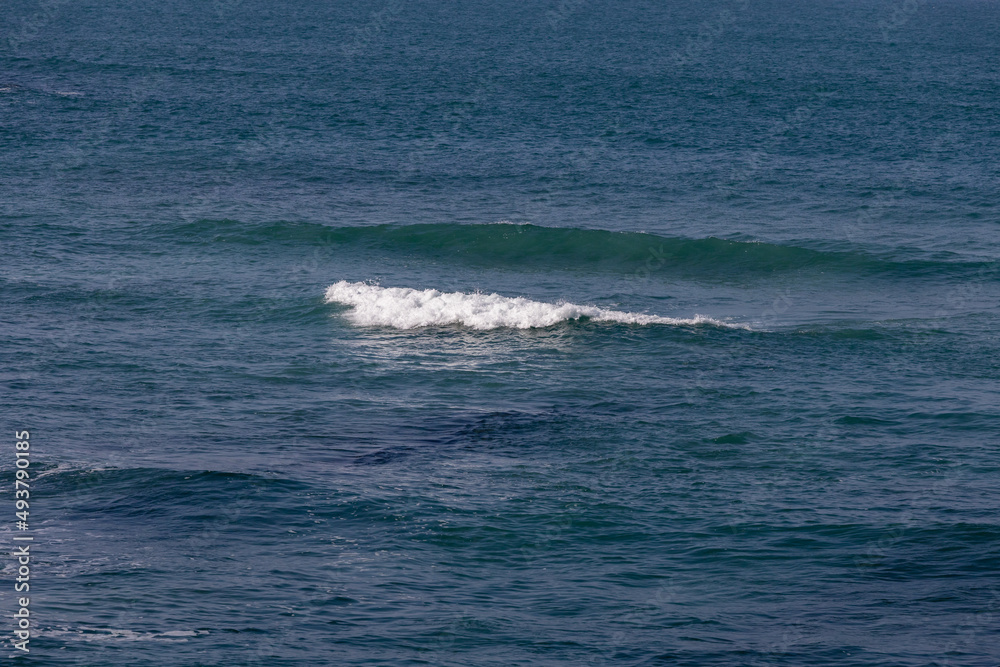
(569, 333)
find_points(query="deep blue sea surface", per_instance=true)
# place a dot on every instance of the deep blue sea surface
(548, 332)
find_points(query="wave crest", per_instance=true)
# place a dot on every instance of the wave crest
(526, 246)
(405, 308)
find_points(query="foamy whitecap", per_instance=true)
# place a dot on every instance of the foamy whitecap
(113, 634)
(405, 308)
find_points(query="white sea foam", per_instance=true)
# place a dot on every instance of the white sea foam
(405, 308)
(113, 634)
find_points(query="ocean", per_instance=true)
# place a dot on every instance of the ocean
(549, 332)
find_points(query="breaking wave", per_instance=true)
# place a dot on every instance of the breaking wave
(405, 308)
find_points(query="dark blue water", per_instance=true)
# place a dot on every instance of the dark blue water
(659, 333)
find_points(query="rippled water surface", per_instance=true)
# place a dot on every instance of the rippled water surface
(531, 333)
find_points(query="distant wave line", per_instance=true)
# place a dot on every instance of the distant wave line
(634, 254)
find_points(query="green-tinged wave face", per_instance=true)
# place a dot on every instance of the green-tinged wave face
(634, 254)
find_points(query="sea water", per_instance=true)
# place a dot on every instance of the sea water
(522, 333)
